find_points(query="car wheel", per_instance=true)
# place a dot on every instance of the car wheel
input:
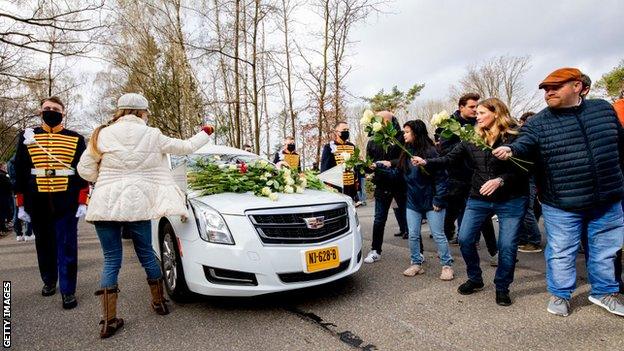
(173, 273)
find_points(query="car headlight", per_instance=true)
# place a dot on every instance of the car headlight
(211, 225)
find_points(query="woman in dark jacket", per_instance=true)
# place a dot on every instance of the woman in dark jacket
(425, 198)
(498, 187)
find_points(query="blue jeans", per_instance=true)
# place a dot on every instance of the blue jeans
(510, 214)
(436, 225)
(110, 239)
(605, 234)
(529, 231)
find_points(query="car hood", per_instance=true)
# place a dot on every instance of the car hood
(237, 204)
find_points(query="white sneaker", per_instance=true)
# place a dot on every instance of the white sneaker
(372, 257)
(29, 237)
(19, 238)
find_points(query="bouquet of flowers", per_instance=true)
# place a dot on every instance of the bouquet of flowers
(354, 162)
(260, 177)
(451, 126)
(383, 134)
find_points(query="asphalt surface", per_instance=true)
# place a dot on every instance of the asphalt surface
(376, 309)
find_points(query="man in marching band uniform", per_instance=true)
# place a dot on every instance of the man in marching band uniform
(52, 196)
(288, 155)
(334, 154)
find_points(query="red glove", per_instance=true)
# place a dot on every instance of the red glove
(208, 129)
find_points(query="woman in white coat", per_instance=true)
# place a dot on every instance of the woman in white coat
(127, 161)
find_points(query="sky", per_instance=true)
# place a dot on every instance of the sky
(433, 41)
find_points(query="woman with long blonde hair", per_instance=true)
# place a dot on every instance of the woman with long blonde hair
(498, 187)
(127, 161)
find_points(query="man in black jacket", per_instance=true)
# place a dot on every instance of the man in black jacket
(577, 146)
(389, 184)
(460, 176)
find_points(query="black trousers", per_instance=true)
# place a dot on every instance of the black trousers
(383, 201)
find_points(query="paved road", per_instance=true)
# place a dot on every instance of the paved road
(377, 309)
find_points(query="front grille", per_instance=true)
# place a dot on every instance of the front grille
(298, 277)
(288, 225)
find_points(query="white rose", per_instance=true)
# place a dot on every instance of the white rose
(29, 136)
(232, 167)
(367, 117)
(222, 166)
(273, 197)
(289, 189)
(300, 190)
(439, 117)
(266, 191)
(377, 126)
(304, 183)
(290, 181)
(346, 156)
(287, 172)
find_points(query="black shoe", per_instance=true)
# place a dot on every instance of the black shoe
(48, 290)
(405, 235)
(399, 234)
(469, 287)
(69, 301)
(503, 299)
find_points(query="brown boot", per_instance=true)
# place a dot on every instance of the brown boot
(110, 323)
(159, 303)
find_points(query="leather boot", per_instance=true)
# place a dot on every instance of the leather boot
(159, 303)
(110, 323)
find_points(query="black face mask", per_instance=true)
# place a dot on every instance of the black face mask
(52, 118)
(344, 135)
(290, 147)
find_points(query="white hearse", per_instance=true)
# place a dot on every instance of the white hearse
(246, 245)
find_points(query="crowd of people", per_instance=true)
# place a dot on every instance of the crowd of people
(573, 150)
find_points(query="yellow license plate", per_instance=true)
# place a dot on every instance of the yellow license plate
(322, 259)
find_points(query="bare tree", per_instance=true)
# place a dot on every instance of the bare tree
(501, 77)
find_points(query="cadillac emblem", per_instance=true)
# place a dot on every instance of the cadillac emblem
(315, 222)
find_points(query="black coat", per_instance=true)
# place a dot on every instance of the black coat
(386, 179)
(424, 190)
(460, 172)
(486, 167)
(577, 152)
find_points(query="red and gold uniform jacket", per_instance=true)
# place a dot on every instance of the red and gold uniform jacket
(332, 156)
(45, 185)
(292, 158)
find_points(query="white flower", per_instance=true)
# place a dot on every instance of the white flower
(299, 189)
(289, 181)
(303, 183)
(222, 166)
(268, 175)
(367, 117)
(266, 191)
(287, 172)
(377, 126)
(289, 189)
(273, 197)
(216, 158)
(232, 167)
(345, 156)
(439, 117)
(29, 136)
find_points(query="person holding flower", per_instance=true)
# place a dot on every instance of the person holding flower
(337, 152)
(426, 195)
(127, 161)
(497, 187)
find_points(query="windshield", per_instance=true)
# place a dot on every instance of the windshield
(190, 160)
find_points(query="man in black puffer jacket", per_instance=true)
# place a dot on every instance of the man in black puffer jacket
(389, 184)
(577, 146)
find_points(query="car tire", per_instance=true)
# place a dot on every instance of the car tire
(171, 265)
